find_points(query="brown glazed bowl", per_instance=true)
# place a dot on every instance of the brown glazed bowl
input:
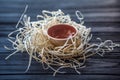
(59, 34)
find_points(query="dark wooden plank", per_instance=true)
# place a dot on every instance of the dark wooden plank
(89, 17)
(59, 77)
(93, 66)
(103, 14)
(70, 11)
(70, 4)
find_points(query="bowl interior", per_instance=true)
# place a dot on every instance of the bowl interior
(61, 31)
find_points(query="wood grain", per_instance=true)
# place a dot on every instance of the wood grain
(58, 77)
(103, 16)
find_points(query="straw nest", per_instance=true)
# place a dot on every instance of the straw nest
(32, 38)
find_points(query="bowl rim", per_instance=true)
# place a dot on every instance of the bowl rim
(62, 38)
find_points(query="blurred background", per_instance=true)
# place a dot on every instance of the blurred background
(93, 10)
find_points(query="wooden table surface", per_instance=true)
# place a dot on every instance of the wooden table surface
(103, 16)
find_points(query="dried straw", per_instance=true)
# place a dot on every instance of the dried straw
(32, 38)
